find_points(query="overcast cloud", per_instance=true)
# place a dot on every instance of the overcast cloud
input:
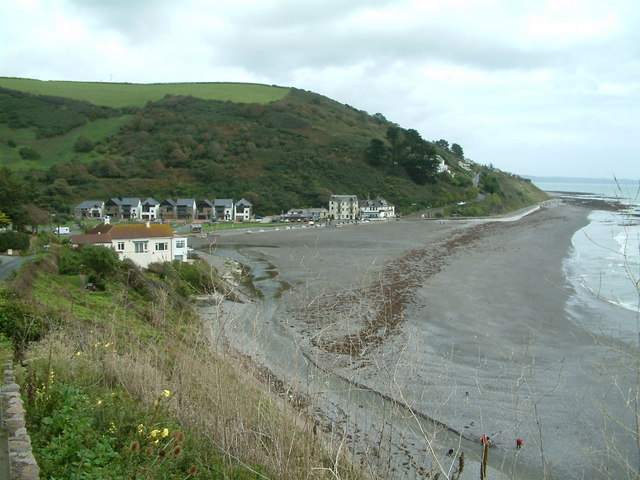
(542, 88)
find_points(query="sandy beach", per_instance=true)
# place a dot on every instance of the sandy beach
(386, 326)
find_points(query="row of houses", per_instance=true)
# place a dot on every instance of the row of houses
(147, 242)
(150, 209)
(341, 207)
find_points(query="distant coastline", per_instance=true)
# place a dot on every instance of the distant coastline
(611, 180)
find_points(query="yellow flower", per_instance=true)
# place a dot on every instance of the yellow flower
(140, 428)
(99, 402)
(156, 442)
(154, 433)
(165, 433)
(166, 393)
(78, 354)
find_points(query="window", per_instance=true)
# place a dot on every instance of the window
(120, 246)
(180, 243)
(162, 246)
(140, 247)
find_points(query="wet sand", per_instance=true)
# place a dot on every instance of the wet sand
(464, 322)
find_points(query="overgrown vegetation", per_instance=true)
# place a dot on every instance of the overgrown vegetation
(122, 383)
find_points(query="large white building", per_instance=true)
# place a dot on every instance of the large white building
(143, 244)
(376, 209)
(343, 207)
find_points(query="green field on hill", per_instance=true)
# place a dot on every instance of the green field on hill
(119, 95)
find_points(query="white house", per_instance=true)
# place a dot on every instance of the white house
(150, 209)
(224, 208)
(243, 210)
(143, 244)
(376, 209)
(131, 208)
(343, 207)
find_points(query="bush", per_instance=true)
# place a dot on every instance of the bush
(69, 262)
(100, 261)
(19, 319)
(14, 240)
(28, 153)
(83, 145)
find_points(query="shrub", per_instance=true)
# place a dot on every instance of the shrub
(99, 260)
(15, 240)
(19, 319)
(83, 145)
(69, 262)
(28, 153)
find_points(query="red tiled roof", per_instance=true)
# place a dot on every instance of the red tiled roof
(106, 233)
(90, 238)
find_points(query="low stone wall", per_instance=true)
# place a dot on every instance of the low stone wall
(23, 465)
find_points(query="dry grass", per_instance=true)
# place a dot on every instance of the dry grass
(230, 415)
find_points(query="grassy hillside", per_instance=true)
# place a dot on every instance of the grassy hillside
(118, 95)
(279, 148)
(122, 383)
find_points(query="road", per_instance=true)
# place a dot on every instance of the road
(8, 264)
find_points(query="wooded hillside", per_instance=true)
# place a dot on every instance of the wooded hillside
(282, 148)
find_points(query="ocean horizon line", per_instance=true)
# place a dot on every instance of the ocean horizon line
(559, 179)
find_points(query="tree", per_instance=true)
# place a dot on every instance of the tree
(457, 150)
(395, 137)
(377, 153)
(442, 143)
(35, 216)
(4, 219)
(99, 260)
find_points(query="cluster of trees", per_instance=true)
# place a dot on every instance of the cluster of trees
(454, 149)
(407, 150)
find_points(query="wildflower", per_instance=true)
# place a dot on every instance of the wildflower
(148, 451)
(165, 433)
(166, 393)
(157, 441)
(192, 470)
(112, 428)
(99, 402)
(154, 433)
(162, 453)
(140, 428)
(178, 435)
(177, 451)
(78, 354)
(135, 446)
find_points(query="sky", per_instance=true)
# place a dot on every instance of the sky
(533, 87)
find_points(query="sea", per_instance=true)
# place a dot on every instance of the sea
(604, 264)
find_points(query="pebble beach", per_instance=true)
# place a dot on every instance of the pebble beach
(458, 328)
